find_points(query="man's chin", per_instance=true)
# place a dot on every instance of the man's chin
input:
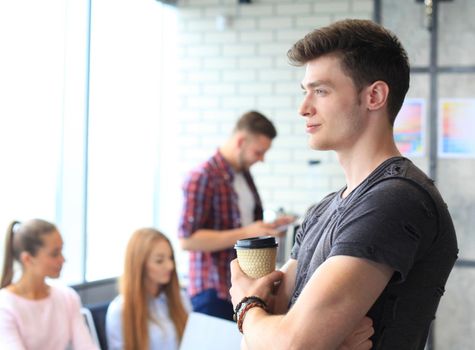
(318, 146)
(245, 167)
(314, 146)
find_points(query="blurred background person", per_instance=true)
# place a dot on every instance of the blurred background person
(221, 206)
(150, 312)
(33, 313)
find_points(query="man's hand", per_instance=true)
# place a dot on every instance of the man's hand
(261, 228)
(244, 286)
(359, 339)
(283, 222)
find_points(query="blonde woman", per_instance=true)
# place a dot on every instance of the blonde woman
(33, 313)
(150, 312)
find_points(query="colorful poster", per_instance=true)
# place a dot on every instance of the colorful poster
(457, 128)
(409, 130)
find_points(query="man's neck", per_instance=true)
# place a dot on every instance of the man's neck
(359, 162)
(228, 152)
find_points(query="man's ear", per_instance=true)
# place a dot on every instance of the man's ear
(377, 95)
(240, 139)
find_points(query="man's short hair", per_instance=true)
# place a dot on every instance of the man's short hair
(256, 123)
(368, 53)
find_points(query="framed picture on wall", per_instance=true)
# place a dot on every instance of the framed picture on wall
(457, 128)
(409, 128)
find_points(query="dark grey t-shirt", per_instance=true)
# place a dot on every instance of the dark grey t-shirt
(395, 217)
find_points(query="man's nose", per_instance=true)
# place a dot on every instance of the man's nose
(306, 107)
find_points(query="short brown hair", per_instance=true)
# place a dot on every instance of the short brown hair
(257, 124)
(368, 53)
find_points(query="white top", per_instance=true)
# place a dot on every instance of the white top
(162, 334)
(53, 323)
(246, 201)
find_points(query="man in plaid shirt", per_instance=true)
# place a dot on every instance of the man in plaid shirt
(221, 206)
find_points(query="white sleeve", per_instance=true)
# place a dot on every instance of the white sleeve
(114, 325)
(81, 337)
(9, 335)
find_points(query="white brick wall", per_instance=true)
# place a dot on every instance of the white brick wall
(293, 9)
(225, 73)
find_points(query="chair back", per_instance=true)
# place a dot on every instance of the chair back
(98, 313)
(86, 313)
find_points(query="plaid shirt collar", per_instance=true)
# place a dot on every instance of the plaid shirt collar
(223, 166)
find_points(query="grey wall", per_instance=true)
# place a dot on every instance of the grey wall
(454, 326)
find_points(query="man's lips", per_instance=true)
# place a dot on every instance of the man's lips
(312, 127)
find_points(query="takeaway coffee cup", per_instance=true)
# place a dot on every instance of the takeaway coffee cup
(256, 256)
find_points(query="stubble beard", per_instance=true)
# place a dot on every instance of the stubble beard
(241, 162)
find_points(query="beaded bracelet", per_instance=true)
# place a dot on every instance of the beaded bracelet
(249, 303)
(245, 300)
(244, 311)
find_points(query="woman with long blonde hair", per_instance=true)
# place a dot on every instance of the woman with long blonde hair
(150, 311)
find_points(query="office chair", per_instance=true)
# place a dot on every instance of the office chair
(98, 315)
(86, 313)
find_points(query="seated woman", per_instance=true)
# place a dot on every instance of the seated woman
(33, 313)
(150, 312)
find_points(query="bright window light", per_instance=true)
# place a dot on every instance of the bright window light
(31, 95)
(126, 105)
(85, 150)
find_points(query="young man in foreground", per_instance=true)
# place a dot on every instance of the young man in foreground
(383, 245)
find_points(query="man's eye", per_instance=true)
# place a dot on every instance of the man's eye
(55, 254)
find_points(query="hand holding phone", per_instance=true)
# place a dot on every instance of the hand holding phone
(283, 222)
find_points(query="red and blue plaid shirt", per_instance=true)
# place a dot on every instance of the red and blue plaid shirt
(211, 203)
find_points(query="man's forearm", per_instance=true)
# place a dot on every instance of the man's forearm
(262, 331)
(282, 332)
(327, 311)
(212, 240)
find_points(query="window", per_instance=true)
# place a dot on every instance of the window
(81, 122)
(126, 81)
(31, 90)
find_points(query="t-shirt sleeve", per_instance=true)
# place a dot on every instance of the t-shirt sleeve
(197, 203)
(114, 325)
(392, 223)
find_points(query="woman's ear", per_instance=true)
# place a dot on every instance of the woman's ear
(377, 95)
(25, 258)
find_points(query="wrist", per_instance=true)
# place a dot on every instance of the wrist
(251, 317)
(245, 232)
(243, 307)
